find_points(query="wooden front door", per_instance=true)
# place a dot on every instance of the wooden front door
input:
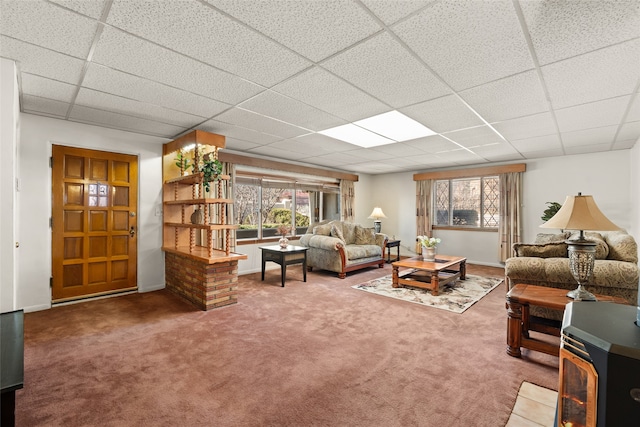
(94, 223)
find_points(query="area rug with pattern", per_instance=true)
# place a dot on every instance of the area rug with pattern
(456, 296)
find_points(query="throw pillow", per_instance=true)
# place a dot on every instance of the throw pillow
(622, 247)
(541, 250)
(336, 232)
(551, 238)
(322, 229)
(365, 236)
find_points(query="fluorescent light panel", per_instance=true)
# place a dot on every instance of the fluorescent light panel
(382, 129)
(356, 135)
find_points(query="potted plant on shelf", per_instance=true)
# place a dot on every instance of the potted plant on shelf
(211, 169)
(182, 161)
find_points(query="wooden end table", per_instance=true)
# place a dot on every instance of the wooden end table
(285, 256)
(429, 274)
(393, 244)
(520, 323)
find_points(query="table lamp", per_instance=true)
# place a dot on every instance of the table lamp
(580, 213)
(376, 215)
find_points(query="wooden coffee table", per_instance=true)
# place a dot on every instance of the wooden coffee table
(429, 274)
(520, 323)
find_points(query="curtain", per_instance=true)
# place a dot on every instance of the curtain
(348, 197)
(423, 209)
(510, 212)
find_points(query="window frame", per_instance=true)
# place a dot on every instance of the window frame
(482, 197)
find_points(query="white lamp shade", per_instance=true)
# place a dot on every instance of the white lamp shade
(580, 213)
(377, 214)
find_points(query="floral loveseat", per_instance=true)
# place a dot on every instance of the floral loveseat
(343, 247)
(546, 263)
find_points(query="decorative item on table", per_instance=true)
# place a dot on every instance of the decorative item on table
(429, 247)
(283, 230)
(376, 215)
(581, 213)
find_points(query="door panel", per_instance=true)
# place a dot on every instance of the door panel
(94, 225)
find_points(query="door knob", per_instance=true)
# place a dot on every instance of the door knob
(132, 232)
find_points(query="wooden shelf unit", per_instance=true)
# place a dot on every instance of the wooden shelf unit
(183, 195)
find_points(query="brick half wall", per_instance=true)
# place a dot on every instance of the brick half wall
(207, 286)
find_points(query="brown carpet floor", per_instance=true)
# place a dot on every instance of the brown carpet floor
(310, 354)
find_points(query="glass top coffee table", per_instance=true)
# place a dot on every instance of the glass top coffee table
(429, 274)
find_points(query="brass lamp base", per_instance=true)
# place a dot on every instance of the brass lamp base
(581, 294)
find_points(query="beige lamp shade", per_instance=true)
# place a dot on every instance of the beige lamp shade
(377, 214)
(580, 213)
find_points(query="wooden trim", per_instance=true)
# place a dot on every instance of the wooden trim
(472, 172)
(282, 166)
(194, 137)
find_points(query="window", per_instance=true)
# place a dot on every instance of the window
(263, 204)
(467, 202)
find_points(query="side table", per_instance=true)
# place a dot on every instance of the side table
(519, 322)
(393, 244)
(285, 256)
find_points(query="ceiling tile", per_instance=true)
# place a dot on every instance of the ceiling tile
(318, 143)
(50, 107)
(90, 8)
(526, 127)
(336, 159)
(584, 149)
(605, 73)
(126, 85)
(468, 43)
(238, 144)
(538, 144)
(42, 62)
(343, 100)
(592, 115)
(314, 29)
(205, 34)
(463, 157)
(238, 132)
(498, 152)
(120, 105)
(433, 144)
(629, 131)
(480, 135)
(515, 96)
(278, 153)
(119, 121)
(47, 88)
(251, 120)
(443, 114)
(373, 168)
(365, 154)
(597, 136)
(124, 52)
(562, 29)
(36, 21)
(634, 111)
(390, 11)
(545, 153)
(624, 145)
(273, 104)
(383, 68)
(400, 149)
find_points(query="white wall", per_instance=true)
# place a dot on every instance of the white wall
(606, 176)
(37, 136)
(9, 128)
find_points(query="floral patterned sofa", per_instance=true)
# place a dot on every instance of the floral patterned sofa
(343, 247)
(545, 263)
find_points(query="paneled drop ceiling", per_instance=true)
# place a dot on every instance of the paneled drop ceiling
(496, 80)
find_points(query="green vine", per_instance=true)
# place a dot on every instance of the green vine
(182, 161)
(211, 170)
